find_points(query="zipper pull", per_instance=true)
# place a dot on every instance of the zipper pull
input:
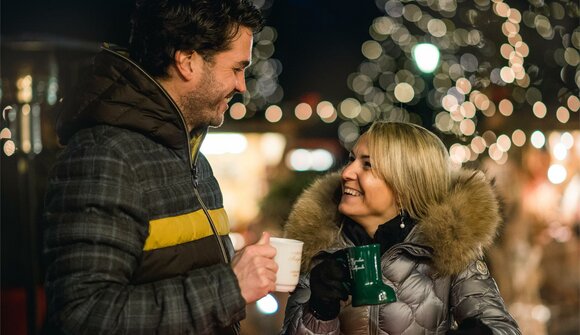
(194, 176)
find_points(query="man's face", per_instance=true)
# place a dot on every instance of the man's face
(219, 79)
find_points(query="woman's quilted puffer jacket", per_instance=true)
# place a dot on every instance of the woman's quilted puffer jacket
(437, 272)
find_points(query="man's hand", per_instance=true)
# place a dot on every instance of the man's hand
(255, 269)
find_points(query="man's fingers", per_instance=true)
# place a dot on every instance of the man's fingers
(263, 247)
(256, 270)
(264, 239)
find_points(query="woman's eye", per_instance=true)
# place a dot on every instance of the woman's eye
(367, 165)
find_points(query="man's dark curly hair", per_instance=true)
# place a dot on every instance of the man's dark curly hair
(161, 27)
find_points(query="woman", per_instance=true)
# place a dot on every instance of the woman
(432, 224)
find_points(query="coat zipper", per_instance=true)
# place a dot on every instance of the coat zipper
(225, 257)
(192, 162)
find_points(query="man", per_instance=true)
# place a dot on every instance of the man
(136, 240)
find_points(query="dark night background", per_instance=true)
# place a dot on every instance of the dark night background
(318, 41)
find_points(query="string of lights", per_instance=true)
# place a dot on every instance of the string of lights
(469, 82)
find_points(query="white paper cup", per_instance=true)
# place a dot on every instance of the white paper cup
(288, 256)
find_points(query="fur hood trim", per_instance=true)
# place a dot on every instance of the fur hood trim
(456, 229)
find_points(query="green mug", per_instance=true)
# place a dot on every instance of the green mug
(366, 282)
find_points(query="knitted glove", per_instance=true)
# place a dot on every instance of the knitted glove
(327, 287)
(471, 326)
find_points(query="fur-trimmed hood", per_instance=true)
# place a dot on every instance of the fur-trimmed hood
(456, 230)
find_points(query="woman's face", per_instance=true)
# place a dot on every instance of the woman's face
(366, 198)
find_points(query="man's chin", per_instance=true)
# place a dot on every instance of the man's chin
(216, 123)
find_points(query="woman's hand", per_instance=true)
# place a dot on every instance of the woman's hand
(471, 326)
(327, 287)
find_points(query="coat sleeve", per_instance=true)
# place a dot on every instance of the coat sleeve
(299, 320)
(474, 293)
(96, 227)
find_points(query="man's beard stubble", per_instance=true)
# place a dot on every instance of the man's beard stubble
(197, 112)
(200, 107)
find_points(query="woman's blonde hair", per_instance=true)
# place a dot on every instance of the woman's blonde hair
(413, 162)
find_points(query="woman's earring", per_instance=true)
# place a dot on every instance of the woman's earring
(402, 225)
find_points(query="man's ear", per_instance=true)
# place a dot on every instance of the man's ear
(188, 64)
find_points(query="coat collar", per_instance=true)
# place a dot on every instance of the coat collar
(456, 229)
(118, 92)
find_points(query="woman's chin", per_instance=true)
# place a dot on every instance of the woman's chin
(344, 210)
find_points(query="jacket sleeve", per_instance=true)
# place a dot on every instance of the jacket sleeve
(474, 294)
(299, 320)
(96, 228)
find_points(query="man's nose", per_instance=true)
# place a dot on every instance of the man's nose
(241, 83)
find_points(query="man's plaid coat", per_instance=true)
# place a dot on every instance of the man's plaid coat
(128, 245)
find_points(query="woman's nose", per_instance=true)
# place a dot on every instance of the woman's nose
(348, 172)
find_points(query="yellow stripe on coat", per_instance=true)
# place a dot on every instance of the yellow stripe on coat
(170, 231)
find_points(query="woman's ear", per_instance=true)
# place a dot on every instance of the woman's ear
(187, 63)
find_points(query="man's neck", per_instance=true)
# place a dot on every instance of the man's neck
(171, 87)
